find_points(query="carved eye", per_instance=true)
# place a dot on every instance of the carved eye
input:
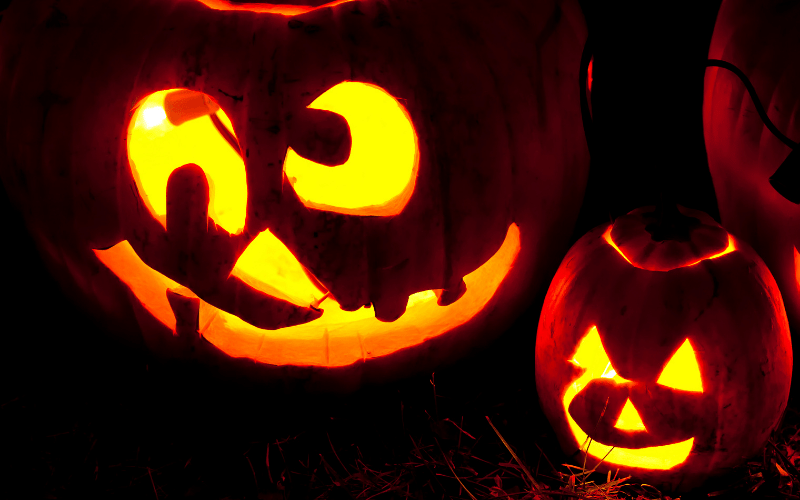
(682, 371)
(171, 128)
(379, 176)
(174, 127)
(592, 357)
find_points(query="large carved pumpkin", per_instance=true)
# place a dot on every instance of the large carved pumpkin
(666, 354)
(341, 193)
(760, 39)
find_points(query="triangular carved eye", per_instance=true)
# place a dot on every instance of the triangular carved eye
(592, 357)
(682, 371)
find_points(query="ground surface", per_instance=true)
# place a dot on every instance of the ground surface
(81, 416)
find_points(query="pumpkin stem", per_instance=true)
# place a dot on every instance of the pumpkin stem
(670, 223)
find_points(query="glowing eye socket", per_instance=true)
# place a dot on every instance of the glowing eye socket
(682, 371)
(379, 176)
(171, 128)
(592, 357)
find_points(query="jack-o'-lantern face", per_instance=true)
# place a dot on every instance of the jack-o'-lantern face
(180, 129)
(341, 191)
(625, 440)
(663, 349)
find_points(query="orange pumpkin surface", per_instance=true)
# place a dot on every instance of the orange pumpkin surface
(668, 358)
(759, 39)
(342, 193)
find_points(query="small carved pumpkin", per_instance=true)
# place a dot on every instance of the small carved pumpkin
(756, 174)
(343, 192)
(666, 356)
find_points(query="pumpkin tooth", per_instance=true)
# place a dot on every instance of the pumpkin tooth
(390, 307)
(187, 207)
(185, 306)
(447, 296)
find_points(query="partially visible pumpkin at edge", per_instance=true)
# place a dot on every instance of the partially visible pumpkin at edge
(760, 39)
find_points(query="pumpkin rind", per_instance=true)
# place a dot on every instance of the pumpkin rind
(757, 38)
(495, 108)
(728, 308)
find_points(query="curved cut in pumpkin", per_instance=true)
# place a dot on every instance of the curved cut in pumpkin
(607, 237)
(338, 337)
(156, 147)
(592, 358)
(379, 176)
(268, 8)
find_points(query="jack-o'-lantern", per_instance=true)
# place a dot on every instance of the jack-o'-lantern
(341, 193)
(756, 171)
(663, 349)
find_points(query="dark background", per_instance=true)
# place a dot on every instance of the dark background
(84, 416)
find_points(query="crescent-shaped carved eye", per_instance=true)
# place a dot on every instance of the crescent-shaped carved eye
(378, 177)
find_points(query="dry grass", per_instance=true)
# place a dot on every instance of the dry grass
(456, 469)
(147, 442)
(436, 471)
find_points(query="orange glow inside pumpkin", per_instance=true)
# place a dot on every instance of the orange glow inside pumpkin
(377, 179)
(156, 147)
(267, 8)
(338, 337)
(682, 371)
(629, 419)
(730, 248)
(171, 128)
(591, 356)
(379, 176)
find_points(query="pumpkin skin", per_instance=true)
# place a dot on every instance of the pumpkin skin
(675, 353)
(742, 153)
(501, 161)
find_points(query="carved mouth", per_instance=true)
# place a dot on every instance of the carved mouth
(338, 337)
(650, 457)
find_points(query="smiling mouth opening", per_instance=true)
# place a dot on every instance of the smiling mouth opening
(338, 337)
(652, 457)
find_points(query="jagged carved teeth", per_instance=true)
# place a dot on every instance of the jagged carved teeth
(150, 287)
